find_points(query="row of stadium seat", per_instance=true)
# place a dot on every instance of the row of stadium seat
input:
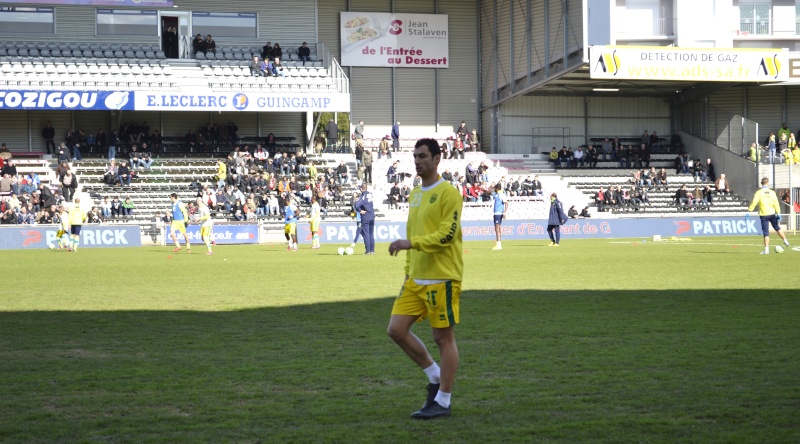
(84, 69)
(96, 53)
(245, 71)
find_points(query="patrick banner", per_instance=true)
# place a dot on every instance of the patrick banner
(337, 232)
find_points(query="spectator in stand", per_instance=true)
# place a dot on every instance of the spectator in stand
(63, 153)
(722, 186)
(190, 139)
(462, 133)
(458, 149)
(605, 150)
(676, 142)
(391, 173)
(209, 45)
(563, 157)
(683, 197)
(394, 196)
(257, 68)
(572, 213)
(94, 216)
(6, 185)
(395, 137)
(91, 142)
(277, 52)
(48, 134)
(304, 53)
(266, 51)
(145, 161)
(260, 154)
(633, 157)
(474, 140)
(537, 187)
(105, 208)
(710, 172)
(276, 68)
(198, 45)
(592, 156)
(784, 131)
(124, 174)
(331, 134)
(383, 148)
(772, 147)
(578, 155)
(358, 133)
(133, 156)
(600, 200)
(645, 138)
(69, 183)
(111, 174)
(654, 143)
(366, 161)
(699, 171)
(341, 172)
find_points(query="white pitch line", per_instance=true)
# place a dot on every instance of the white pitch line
(695, 243)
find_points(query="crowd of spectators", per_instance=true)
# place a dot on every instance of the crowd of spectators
(630, 155)
(199, 44)
(252, 185)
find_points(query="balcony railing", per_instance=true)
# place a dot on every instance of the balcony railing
(757, 26)
(658, 27)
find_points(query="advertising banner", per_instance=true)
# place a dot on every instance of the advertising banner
(342, 233)
(237, 101)
(394, 40)
(66, 100)
(695, 65)
(126, 3)
(223, 234)
(92, 236)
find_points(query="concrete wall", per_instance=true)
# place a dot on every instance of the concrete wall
(739, 171)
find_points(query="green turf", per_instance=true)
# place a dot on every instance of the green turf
(595, 341)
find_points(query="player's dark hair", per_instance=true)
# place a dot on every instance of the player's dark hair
(175, 195)
(764, 181)
(498, 187)
(433, 146)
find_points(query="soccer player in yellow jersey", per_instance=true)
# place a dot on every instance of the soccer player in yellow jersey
(313, 221)
(63, 234)
(76, 219)
(432, 286)
(770, 211)
(206, 223)
(180, 219)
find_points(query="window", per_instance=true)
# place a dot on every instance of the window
(755, 18)
(27, 20)
(127, 22)
(225, 24)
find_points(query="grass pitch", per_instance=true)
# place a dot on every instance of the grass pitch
(594, 341)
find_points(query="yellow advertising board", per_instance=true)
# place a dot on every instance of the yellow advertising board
(688, 64)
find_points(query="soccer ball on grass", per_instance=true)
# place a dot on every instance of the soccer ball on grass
(344, 251)
(778, 249)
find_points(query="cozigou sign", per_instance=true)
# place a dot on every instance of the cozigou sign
(339, 232)
(695, 65)
(224, 234)
(66, 100)
(394, 40)
(92, 236)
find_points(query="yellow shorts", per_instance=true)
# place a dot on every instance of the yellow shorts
(314, 226)
(437, 302)
(290, 228)
(177, 225)
(205, 232)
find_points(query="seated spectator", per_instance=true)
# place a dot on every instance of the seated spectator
(404, 193)
(391, 173)
(257, 68)
(578, 156)
(341, 172)
(198, 45)
(676, 142)
(563, 157)
(600, 200)
(124, 174)
(190, 139)
(699, 170)
(105, 208)
(24, 217)
(585, 212)
(116, 207)
(127, 207)
(661, 179)
(94, 216)
(145, 161)
(683, 197)
(304, 53)
(260, 154)
(266, 51)
(209, 45)
(722, 186)
(277, 52)
(276, 68)
(572, 213)
(537, 187)
(111, 174)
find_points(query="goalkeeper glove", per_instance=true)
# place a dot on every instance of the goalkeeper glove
(747, 216)
(779, 218)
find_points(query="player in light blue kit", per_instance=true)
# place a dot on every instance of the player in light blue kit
(500, 208)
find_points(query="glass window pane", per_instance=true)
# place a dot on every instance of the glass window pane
(225, 24)
(127, 22)
(26, 20)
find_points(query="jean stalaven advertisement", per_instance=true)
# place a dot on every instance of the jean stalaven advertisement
(394, 40)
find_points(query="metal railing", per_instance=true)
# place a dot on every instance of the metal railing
(755, 26)
(334, 69)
